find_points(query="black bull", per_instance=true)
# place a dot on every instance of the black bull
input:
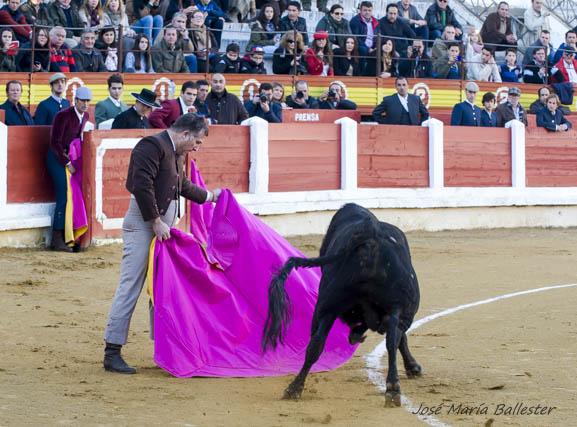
(367, 281)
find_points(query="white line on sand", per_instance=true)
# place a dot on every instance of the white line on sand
(373, 359)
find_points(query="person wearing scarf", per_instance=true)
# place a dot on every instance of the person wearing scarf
(334, 24)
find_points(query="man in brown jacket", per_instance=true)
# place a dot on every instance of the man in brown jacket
(156, 180)
(497, 31)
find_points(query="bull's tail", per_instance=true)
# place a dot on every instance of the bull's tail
(279, 304)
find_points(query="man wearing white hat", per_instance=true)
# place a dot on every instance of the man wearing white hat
(466, 113)
(67, 126)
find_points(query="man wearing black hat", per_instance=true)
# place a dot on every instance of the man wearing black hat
(156, 181)
(136, 117)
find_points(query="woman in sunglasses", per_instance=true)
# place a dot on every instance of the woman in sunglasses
(288, 56)
(336, 25)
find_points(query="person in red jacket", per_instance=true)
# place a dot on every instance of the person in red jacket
(172, 109)
(566, 69)
(11, 16)
(319, 57)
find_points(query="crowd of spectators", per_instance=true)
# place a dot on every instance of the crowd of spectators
(185, 36)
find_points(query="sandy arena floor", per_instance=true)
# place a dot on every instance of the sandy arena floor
(482, 365)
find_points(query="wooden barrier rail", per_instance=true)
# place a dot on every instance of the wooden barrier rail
(311, 162)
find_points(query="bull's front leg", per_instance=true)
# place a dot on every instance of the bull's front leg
(314, 351)
(393, 393)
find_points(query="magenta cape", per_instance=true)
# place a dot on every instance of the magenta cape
(211, 303)
(75, 221)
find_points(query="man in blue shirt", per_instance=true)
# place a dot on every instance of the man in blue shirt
(16, 114)
(262, 105)
(48, 108)
(466, 113)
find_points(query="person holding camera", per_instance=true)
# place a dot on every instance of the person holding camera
(262, 105)
(300, 97)
(332, 99)
(418, 65)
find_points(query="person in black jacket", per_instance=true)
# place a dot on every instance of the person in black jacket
(15, 113)
(418, 65)
(551, 118)
(332, 99)
(292, 21)
(538, 71)
(252, 63)
(136, 117)
(229, 62)
(41, 54)
(200, 101)
(88, 59)
(438, 16)
(262, 106)
(300, 97)
(346, 58)
(391, 26)
(289, 54)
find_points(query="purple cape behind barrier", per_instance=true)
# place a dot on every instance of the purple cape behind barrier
(76, 222)
(211, 304)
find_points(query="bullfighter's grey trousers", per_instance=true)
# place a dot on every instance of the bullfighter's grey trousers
(137, 236)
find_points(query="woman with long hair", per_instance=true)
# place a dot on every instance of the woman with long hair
(109, 46)
(203, 41)
(278, 94)
(139, 60)
(263, 32)
(7, 53)
(389, 61)
(289, 55)
(336, 25)
(41, 54)
(319, 56)
(91, 14)
(115, 16)
(346, 58)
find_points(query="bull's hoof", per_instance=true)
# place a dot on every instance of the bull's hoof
(392, 399)
(356, 338)
(393, 395)
(414, 371)
(291, 394)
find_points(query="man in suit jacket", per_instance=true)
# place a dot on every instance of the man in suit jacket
(111, 106)
(488, 115)
(511, 110)
(551, 118)
(136, 117)
(156, 181)
(16, 114)
(466, 113)
(48, 108)
(68, 125)
(402, 108)
(172, 109)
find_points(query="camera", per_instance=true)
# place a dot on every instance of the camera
(332, 94)
(300, 95)
(415, 50)
(263, 97)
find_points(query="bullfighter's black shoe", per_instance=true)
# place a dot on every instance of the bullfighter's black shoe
(113, 361)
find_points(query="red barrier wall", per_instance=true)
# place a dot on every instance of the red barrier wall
(551, 158)
(304, 158)
(477, 159)
(393, 156)
(28, 177)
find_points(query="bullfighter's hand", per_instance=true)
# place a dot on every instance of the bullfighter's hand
(161, 229)
(71, 168)
(216, 194)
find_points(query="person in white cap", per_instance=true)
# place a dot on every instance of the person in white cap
(466, 113)
(67, 126)
(55, 103)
